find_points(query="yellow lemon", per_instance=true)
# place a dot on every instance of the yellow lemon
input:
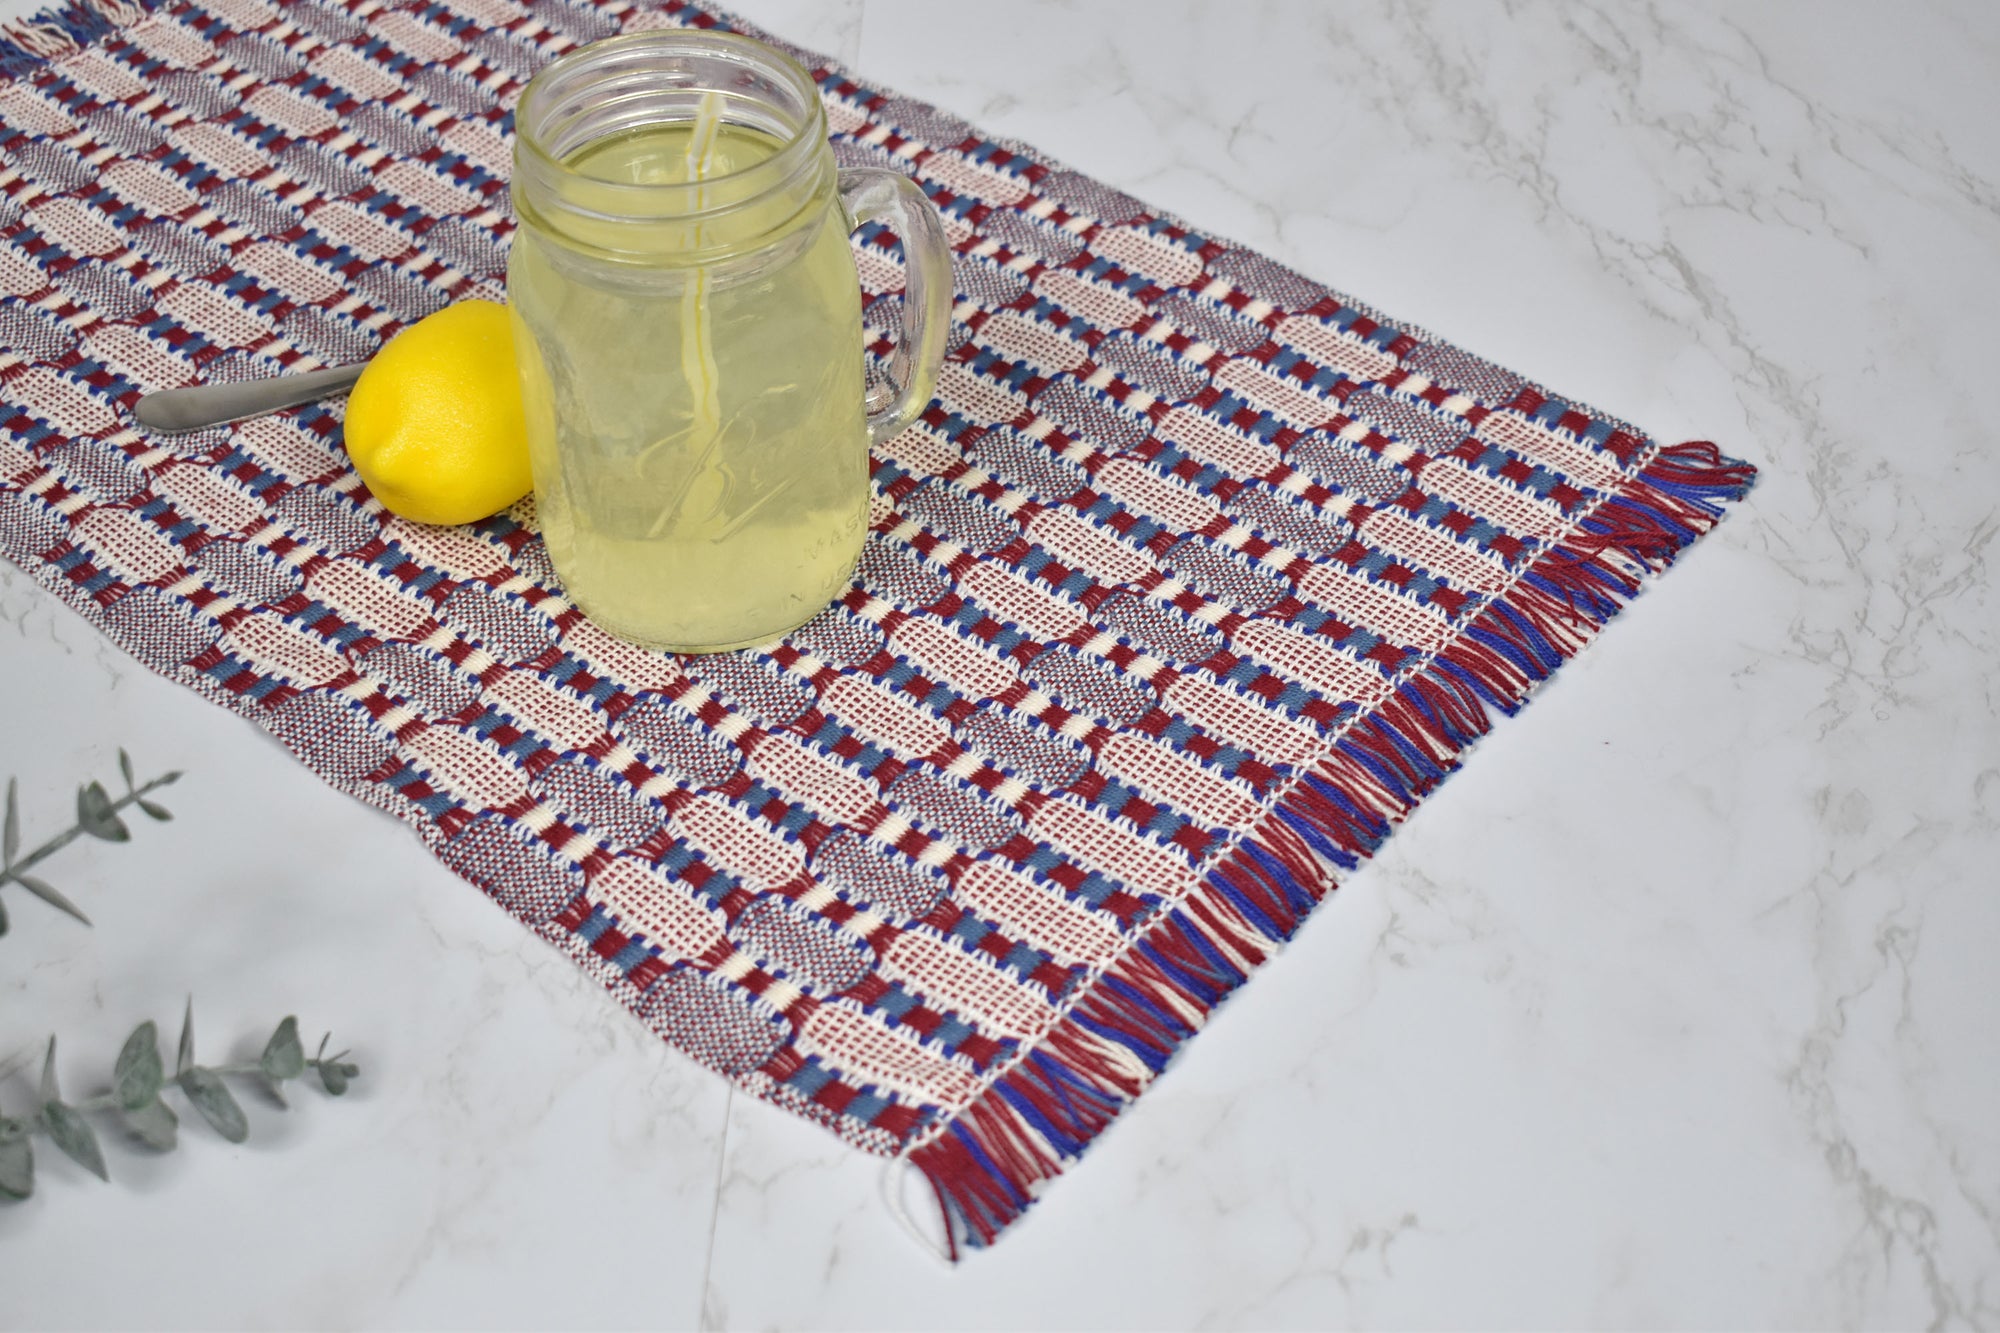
(434, 425)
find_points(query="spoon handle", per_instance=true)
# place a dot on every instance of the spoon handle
(174, 410)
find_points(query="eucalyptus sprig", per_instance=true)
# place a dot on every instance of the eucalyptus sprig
(96, 814)
(137, 1081)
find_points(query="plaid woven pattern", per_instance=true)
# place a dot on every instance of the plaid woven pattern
(1193, 580)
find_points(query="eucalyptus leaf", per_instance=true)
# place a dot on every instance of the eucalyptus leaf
(283, 1056)
(95, 815)
(185, 1056)
(211, 1097)
(138, 1074)
(156, 1124)
(50, 1091)
(17, 1168)
(138, 1079)
(42, 889)
(10, 839)
(73, 1134)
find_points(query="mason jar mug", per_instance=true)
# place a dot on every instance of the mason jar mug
(688, 332)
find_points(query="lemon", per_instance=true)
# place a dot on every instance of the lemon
(434, 425)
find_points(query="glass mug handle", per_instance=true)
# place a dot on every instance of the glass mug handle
(873, 194)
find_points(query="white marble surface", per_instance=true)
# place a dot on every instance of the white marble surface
(1675, 1009)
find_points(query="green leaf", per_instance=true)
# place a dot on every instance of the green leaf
(125, 767)
(333, 1077)
(10, 839)
(211, 1097)
(73, 1134)
(185, 1056)
(283, 1056)
(94, 813)
(17, 1168)
(138, 1074)
(155, 809)
(50, 1092)
(43, 890)
(155, 1123)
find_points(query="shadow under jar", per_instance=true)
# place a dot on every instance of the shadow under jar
(688, 330)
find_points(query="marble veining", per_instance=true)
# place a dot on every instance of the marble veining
(1674, 1009)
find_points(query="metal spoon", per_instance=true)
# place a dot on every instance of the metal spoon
(204, 405)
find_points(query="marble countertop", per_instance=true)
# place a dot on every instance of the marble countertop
(1676, 1008)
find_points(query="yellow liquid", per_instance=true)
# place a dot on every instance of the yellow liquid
(699, 444)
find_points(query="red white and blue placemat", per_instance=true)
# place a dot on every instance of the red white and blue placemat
(1196, 578)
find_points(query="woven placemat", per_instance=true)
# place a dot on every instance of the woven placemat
(1194, 580)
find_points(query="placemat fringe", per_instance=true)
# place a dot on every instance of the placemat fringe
(27, 44)
(989, 1163)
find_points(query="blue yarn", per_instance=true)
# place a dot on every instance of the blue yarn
(1415, 772)
(1254, 911)
(1509, 706)
(1068, 1090)
(991, 1219)
(1398, 782)
(1589, 592)
(1420, 703)
(1206, 984)
(1155, 1059)
(1375, 827)
(1317, 838)
(1259, 911)
(1065, 1144)
(1525, 645)
(1679, 532)
(1703, 495)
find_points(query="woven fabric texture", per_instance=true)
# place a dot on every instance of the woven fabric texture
(1193, 581)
